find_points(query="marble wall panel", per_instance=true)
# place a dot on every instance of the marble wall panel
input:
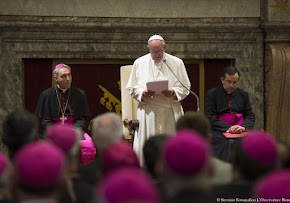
(133, 8)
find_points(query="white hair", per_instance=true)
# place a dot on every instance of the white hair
(55, 71)
(106, 129)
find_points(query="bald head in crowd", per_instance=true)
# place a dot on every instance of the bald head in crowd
(106, 129)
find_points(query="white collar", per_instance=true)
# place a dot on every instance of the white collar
(63, 90)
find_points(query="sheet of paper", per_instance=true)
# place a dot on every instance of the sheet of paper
(157, 86)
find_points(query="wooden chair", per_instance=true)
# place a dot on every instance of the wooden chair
(129, 107)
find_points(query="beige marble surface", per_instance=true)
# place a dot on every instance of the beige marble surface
(279, 10)
(133, 8)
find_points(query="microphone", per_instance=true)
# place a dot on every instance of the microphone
(195, 95)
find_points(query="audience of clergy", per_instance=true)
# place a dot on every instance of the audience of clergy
(198, 122)
(118, 155)
(274, 186)
(127, 185)
(106, 129)
(179, 167)
(188, 169)
(67, 139)
(40, 171)
(253, 157)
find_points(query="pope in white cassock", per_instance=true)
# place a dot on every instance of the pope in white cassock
(157, 112)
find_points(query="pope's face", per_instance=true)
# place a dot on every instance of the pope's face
(156, 49)
(64, 78)
(230, 82)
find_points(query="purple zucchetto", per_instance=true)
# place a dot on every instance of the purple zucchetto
(63, 136)
(128, 185)
(39, 164)
(3, 163)
(119, 155)
(275, 185)
(59, 65)
(260, 147)
(186, 154)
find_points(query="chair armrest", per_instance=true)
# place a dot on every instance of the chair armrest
(132, 126)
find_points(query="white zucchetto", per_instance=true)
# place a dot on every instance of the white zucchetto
(156, 37)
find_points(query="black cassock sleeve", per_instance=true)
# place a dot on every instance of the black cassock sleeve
(212, 112)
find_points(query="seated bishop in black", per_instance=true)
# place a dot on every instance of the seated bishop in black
(62, 103)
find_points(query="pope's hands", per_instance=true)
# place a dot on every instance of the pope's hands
(168, 93)
(148, 93)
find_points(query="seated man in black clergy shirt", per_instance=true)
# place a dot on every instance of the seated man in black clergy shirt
(63, 103)
(229, 110)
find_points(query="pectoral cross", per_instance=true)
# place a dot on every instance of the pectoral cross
(63, 118)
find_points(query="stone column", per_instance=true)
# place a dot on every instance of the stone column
(277, 94)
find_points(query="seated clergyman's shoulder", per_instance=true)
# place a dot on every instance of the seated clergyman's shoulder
(242, 91)
(214, 90)
(78, 90)
(47, 91)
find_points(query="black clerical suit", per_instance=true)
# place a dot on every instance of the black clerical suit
(49, 110)
(218, 102)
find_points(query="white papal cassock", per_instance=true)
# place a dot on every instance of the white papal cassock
(158, 114)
